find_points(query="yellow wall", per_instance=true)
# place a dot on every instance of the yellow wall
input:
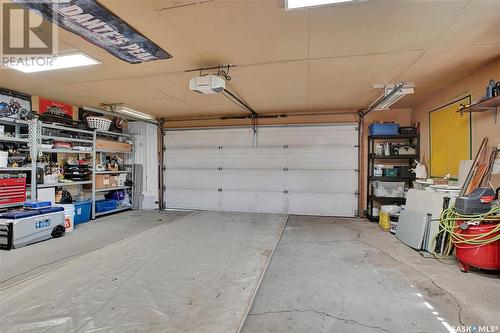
(449, 139)
(482, 123)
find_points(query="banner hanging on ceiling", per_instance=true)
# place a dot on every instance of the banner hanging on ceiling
(96, 24)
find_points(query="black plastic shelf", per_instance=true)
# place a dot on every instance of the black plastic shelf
(393, 157)
(402, 160)
(391, 179)
(387, 199)
(398, 136)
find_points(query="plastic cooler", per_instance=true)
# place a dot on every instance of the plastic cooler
(383, 129)
(102, 206)
(82, 211)
(22, 227)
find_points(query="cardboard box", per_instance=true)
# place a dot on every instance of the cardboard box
(114, 146)
(113, 181)
(102, 181)
(122, 178)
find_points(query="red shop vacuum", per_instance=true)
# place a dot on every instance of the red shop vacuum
(476, 232)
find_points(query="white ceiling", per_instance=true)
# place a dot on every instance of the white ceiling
(313, 60)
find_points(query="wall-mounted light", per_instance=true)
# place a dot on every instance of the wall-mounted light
(133, 113)
(392, 93)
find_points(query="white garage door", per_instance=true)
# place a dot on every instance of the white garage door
(310, 170)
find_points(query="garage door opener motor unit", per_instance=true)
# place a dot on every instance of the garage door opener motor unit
(33, 224)
(207, 84)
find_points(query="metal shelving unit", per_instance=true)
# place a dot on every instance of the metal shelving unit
(64, 151)
(14, 140)
(85, 182)
(129, 189)
(112, 172)
(11, 205)
(113, 188)
(61, 138)
(115, 134)
(75, 135)
(402, 160)
(120, 209)
(12, 169)
(33, 140)
(28, 138)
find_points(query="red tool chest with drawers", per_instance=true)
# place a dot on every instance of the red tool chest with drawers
(12, 190)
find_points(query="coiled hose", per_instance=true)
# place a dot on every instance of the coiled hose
(448, 225)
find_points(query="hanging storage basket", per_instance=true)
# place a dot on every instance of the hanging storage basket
(99, 123)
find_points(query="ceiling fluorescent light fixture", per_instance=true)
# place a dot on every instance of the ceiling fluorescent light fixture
(386, 99)
(134, 113)
(300, 4)
(62, 61)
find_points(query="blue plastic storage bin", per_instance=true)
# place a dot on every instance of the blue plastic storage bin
(102, 206)
(82, 211)
(37, 205)
(383, 129)
(116, 195)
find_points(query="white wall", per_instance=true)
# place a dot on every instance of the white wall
(145, 137)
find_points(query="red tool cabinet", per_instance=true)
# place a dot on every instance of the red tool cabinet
(12, 190)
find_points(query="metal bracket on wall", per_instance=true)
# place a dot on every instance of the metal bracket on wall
(491, 104)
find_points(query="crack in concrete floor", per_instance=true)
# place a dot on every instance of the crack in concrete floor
(321, 313)
(457, 303)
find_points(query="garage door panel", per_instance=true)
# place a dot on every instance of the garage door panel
(192, 199)
(230, 137)
(322, 158)
(341, 135)
(322, 181)
(251, 201)
(325, 204)
(293, 169)
(253, 158)
(193, 179)
(192, 158)
(253, 180)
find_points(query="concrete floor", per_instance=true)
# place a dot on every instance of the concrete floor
(345, 275)
(197, 273)
(326, 275)
(86, 238)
